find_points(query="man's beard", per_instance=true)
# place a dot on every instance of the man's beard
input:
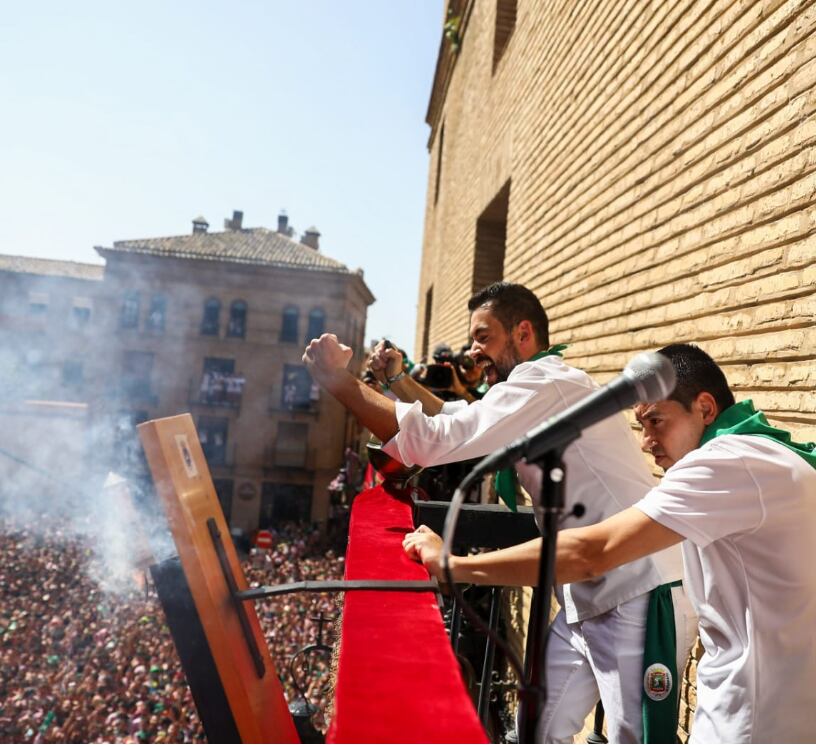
(507, 361)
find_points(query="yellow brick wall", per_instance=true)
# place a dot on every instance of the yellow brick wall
(662, 168)
(662, 174)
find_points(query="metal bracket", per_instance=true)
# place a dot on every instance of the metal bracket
(338, 585)
(240, 609)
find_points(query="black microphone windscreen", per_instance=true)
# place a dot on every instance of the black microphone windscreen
(652, 375)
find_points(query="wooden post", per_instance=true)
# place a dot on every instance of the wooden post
(226, 659)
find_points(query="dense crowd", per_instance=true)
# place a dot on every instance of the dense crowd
(80, 665)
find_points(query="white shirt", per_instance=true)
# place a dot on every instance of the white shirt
(605, 470)
(747, 506)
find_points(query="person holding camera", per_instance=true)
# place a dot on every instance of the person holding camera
(596, 647)
(435, 384)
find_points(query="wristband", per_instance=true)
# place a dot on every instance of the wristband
(399, 376)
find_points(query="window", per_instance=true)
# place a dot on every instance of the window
(222, 365)
(212, 434)
(439, 162)
(210, 322)
(505, 25)
(81, 312)
(137, 368)
(491, 236)
(80, 316)
(219, 383)
(72, 373)
(297, 390)
(37, 303)
(426, 326)
(158, 311)
(282, 503)
(289, 330)
(317, 324)
(129, 318)
(291, 445)
(126, 445)
(223, 490)
(237, 319)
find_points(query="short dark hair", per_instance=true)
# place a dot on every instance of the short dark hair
(697, 373)
(512, 304)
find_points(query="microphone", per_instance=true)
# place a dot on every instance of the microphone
(647, 378)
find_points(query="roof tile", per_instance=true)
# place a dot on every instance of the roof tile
(51, 267)
(246, 246)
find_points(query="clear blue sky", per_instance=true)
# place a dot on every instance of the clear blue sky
(126, 120)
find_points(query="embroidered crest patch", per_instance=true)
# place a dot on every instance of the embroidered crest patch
(657, 682)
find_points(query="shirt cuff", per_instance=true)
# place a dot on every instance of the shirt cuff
(402, 410)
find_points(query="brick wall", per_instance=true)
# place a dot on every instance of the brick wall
(661, 168)
(662, 174)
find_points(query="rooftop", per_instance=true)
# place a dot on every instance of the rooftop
(51, 267)
(244, 246)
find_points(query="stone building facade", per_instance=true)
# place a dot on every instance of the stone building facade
(211, 323)
(648, 169)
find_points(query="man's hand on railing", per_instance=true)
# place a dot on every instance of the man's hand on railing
(425, 546)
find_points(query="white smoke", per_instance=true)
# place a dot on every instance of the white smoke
(60, 442)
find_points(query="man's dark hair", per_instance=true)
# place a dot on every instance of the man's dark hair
(697, 373)
(512, 304)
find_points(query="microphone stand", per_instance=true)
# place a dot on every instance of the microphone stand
(533, 690)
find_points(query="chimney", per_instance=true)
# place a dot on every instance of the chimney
(311, 238)
(235, 223)
(200, 225)
(283, 222)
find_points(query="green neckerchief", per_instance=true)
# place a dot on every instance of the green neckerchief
(744, 419)
(506, 481)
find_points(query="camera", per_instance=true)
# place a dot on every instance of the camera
(438, 376)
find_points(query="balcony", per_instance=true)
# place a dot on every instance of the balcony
(213, 389)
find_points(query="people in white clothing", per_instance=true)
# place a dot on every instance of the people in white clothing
(600, 648)
(742, 495)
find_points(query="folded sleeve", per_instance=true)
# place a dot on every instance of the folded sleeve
(707, 495)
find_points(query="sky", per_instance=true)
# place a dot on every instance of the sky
(127, 120)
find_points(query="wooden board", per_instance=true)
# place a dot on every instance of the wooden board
(184, 486)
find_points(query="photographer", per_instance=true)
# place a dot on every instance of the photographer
(437, 384)
(470, 374)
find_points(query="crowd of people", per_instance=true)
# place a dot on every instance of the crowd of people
(80, 665)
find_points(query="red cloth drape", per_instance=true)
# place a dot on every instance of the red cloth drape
(398, 680)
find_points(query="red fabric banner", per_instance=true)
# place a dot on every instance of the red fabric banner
(398, 680)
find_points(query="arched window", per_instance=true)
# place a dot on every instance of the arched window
(289, 329)
(156, 316)
(317, 324)
(237, 319)
(210, 322)
(129, 319)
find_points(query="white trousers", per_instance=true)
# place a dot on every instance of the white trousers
(602, 658)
